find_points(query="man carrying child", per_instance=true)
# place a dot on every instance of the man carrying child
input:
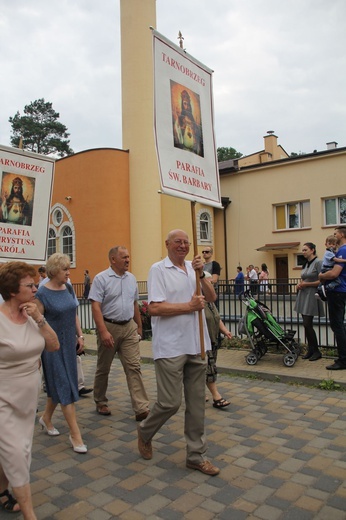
(337, 299)
(328, 263)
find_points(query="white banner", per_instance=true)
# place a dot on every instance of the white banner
(184, 125)
(26, 182)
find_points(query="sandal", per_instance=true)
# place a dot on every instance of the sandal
(10, 503)
(221, 403)
(103, 409)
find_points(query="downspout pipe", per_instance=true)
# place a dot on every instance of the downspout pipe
(225, 201)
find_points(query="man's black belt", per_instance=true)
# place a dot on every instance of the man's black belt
(116, 322)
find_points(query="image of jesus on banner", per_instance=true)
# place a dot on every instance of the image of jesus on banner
(17, 199)
(186, 119)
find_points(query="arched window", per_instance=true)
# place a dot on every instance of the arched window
(67, 242)
(62, 234)
(51, 242)
(204, 226)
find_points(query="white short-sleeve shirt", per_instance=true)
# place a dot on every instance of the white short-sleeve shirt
(174, 335)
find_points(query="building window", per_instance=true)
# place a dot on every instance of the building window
(335, 211)
(62, 234)
(204, 227)
(300, 260)
(57, 217)
(295, 215)
(67, 242)
(51, 242)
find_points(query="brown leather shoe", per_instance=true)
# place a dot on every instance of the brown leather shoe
(205, 467)
(103, 409)
(141, 416)
(144, 448)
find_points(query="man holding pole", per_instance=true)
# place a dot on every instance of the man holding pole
(175, 303)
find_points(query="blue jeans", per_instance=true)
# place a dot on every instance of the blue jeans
(336, 306)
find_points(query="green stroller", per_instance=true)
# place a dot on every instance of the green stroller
(265, 334)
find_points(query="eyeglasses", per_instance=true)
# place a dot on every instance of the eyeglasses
(31, 285)
(181, 242)
(206, 252)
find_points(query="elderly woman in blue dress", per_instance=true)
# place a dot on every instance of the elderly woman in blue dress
(57, 301)
(306, 303)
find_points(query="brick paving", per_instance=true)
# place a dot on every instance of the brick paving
(281, 449)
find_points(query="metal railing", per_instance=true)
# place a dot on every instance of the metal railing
(279, 296)
(79, 289)
(84, 308)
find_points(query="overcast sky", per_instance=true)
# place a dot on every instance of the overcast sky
(278, 65)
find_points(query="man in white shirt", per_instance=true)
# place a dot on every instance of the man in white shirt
(174, 306)
(253, 279)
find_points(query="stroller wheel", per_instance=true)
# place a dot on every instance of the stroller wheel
(251, 358)
(294, 353)
(289, 360)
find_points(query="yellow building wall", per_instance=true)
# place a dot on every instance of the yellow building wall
(220, 242)
(255, 191)
(176, 214)
(98, 183)
(138, 134)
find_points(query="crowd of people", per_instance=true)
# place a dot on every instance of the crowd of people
(41, 325)
(256, 280)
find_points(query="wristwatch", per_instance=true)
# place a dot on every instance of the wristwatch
(202, 275)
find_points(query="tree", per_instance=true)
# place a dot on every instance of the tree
(40, 130)
(223, 154)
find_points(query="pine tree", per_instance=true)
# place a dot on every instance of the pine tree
(40, 131)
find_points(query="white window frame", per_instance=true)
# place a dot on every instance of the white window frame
(66, 241)
(338, 219)
(50, 252)
(205, 216)
(57, 217)
(59, 225)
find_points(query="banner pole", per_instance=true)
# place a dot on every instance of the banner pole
(198, 283)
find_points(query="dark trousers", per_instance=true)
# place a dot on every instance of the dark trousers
(253, 287)
(310, 333)
(336, 306)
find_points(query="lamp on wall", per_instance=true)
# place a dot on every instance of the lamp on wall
(68, 197)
